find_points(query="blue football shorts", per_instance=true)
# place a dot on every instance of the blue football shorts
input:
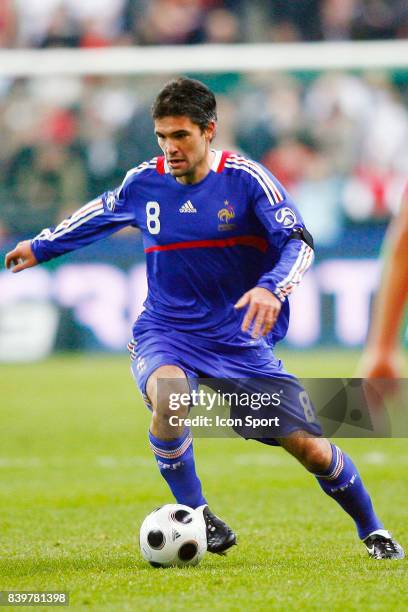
(254, 366)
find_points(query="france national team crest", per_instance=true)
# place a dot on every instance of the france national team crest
(286, 217)
(225, 215)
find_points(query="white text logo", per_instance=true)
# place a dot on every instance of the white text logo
(188, 208)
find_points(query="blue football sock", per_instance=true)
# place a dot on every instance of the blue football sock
(342, 482)
(175, 459)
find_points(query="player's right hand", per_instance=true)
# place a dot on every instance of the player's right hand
(21, 257)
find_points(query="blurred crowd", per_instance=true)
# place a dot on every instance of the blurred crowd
(336, 140)
(96, 23)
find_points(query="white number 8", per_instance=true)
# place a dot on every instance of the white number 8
(307, 407)
(152, 217)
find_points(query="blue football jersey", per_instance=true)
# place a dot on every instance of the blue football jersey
(206, 244)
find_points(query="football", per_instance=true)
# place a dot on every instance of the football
(173, 535)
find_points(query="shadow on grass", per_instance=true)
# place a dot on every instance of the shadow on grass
(112, 562)
(109, 563)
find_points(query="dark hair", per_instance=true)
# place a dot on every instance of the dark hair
(186, 97)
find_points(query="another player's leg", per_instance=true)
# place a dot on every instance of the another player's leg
(339, 478)
(172, 446)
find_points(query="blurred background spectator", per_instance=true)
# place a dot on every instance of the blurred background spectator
(336, 140)
(8, 23)
(94, 23)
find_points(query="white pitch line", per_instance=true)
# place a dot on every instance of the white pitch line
(21, 462)
(274, 458)
(375, 458)
(261, 459)
(62, 462)
(123, 462)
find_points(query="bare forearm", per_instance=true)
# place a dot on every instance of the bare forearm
(393, 293)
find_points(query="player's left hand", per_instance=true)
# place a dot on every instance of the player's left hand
(263, 310)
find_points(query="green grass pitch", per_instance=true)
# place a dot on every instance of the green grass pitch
(77, 479)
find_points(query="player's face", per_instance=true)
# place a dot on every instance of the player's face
(185, 146)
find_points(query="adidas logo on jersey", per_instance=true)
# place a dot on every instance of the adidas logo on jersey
(187, 208)
(175, 534)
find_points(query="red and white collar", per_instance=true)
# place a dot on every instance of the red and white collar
(216, 166)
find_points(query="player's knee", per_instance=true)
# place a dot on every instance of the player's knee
(168, 392)
(166, 388)
(168, 420)
(167, 424)
(316, 455)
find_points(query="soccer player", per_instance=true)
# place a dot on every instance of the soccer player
(225, 246)
(382, 356)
